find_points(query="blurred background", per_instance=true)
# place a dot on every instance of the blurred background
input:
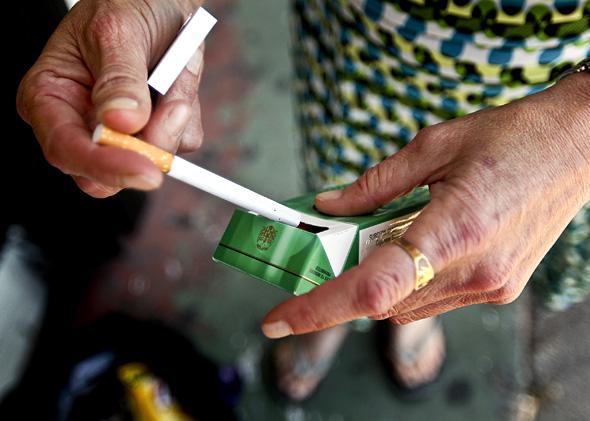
(504, 362)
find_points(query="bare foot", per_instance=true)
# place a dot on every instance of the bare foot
(302, 362)
(416, 352)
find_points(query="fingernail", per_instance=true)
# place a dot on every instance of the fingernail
(177, 119)
(143, 182)
(277, 330)
(120, 104)
(329, 195)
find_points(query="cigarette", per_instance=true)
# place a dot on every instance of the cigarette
(184, 46)
(198, 177)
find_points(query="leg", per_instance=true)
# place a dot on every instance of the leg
(302, 362)
(415, 353)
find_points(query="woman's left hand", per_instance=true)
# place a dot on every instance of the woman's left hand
(504, 184)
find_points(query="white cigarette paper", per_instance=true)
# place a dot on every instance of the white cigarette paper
(198, 177)
(223, 188)
(188, 40)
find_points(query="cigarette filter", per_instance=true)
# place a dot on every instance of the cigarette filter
(198, 177)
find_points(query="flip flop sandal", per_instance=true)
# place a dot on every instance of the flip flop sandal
(408, 356)
(302, 366)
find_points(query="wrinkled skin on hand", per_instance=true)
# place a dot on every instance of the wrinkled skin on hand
(94, 69)
(504, 184)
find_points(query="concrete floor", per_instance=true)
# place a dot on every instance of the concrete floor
(560, 348)
(166, 269)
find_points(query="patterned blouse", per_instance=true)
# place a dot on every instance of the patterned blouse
(371, 73)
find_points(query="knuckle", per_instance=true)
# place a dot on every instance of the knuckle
(380, 175)
(22, 98)
(365, 184)
(427, 137)
(110, 31)
(467, 233)
(491, 278)
(471, 232)
(54, 149)
(489, 281)
(105, 27)
(197, 139)
(377, 295)
(36, 84)
(50, 147)
(51, 153)
(114, 78)
(189, 144)
(193, 137)
(307, 315)
(506, 294)
(94, 189)
(373, 184)
(425, 134)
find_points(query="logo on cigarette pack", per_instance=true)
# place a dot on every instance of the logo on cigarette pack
(265, 238)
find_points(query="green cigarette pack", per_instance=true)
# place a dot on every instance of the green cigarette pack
(322, 247)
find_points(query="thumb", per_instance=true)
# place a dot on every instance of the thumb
(414, 165)
(120, 94)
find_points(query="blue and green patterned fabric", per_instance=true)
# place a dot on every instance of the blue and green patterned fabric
(371, 73)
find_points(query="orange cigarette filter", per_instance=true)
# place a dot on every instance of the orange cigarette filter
(161, 158)
(192, 174)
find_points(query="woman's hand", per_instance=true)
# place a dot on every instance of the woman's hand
(504, 184)
(93, 69)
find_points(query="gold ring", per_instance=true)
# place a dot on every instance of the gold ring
(424, 270)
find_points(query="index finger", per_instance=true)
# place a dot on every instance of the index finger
(384, 278)
(66, 142)
(365, 290)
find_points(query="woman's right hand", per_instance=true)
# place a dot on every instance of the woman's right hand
(94, 69)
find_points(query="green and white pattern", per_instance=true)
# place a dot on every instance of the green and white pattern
(371, 73)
